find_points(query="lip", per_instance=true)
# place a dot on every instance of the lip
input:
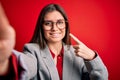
(55, 35)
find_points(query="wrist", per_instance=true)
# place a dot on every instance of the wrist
(4, 65)
(93, 56)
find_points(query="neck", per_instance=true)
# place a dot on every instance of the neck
(55, 47)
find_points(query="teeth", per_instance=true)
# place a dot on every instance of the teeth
(55, 35)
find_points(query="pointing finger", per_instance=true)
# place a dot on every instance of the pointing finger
(3, 18)
(75, 38)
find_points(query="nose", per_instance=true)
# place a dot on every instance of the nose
(54, 26)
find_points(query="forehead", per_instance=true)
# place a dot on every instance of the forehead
(54, 15)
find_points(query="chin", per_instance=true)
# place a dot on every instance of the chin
(55, 40)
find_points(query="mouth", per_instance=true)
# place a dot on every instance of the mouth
(55, 35)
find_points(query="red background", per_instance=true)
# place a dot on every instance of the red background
(95, 22)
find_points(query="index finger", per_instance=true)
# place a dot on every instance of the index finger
(3, 18)
(75, 38)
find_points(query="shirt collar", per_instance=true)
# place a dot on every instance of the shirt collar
(61, 53)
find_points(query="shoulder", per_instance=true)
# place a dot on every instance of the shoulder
(31, 47)
(68, 47)
(16, 53)
(71, 50)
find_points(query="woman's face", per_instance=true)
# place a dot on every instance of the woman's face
(54, 27)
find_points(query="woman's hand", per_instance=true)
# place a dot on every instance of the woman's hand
(82, 50)
(7, 41)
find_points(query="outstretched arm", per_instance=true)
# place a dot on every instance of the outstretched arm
(7, 41)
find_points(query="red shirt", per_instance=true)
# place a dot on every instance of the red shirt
(59, 62)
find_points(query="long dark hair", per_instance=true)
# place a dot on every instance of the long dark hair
(38, 36)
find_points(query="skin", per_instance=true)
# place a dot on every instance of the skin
(7, 41)
(82, 50)
(55, 35)
(54, 40)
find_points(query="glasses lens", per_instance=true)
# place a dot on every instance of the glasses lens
(60, 24)
(49, 24)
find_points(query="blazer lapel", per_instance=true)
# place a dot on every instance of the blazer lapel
(67, 64)
(49, 62)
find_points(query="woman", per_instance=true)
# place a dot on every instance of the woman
(56, 58)
(49, 55)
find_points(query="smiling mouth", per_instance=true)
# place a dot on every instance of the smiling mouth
(55, 35)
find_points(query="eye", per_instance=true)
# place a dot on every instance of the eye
(48, 23)
(60, 22)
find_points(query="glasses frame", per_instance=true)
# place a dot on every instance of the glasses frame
(57, 23)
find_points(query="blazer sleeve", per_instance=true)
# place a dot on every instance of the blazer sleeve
(96, 69)
(28, 64)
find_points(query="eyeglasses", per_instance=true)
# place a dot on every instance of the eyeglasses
(48, 25)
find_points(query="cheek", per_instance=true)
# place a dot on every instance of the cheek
(46, 34)
(64, 32)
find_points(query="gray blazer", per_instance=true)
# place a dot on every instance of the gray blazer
(39, 65)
